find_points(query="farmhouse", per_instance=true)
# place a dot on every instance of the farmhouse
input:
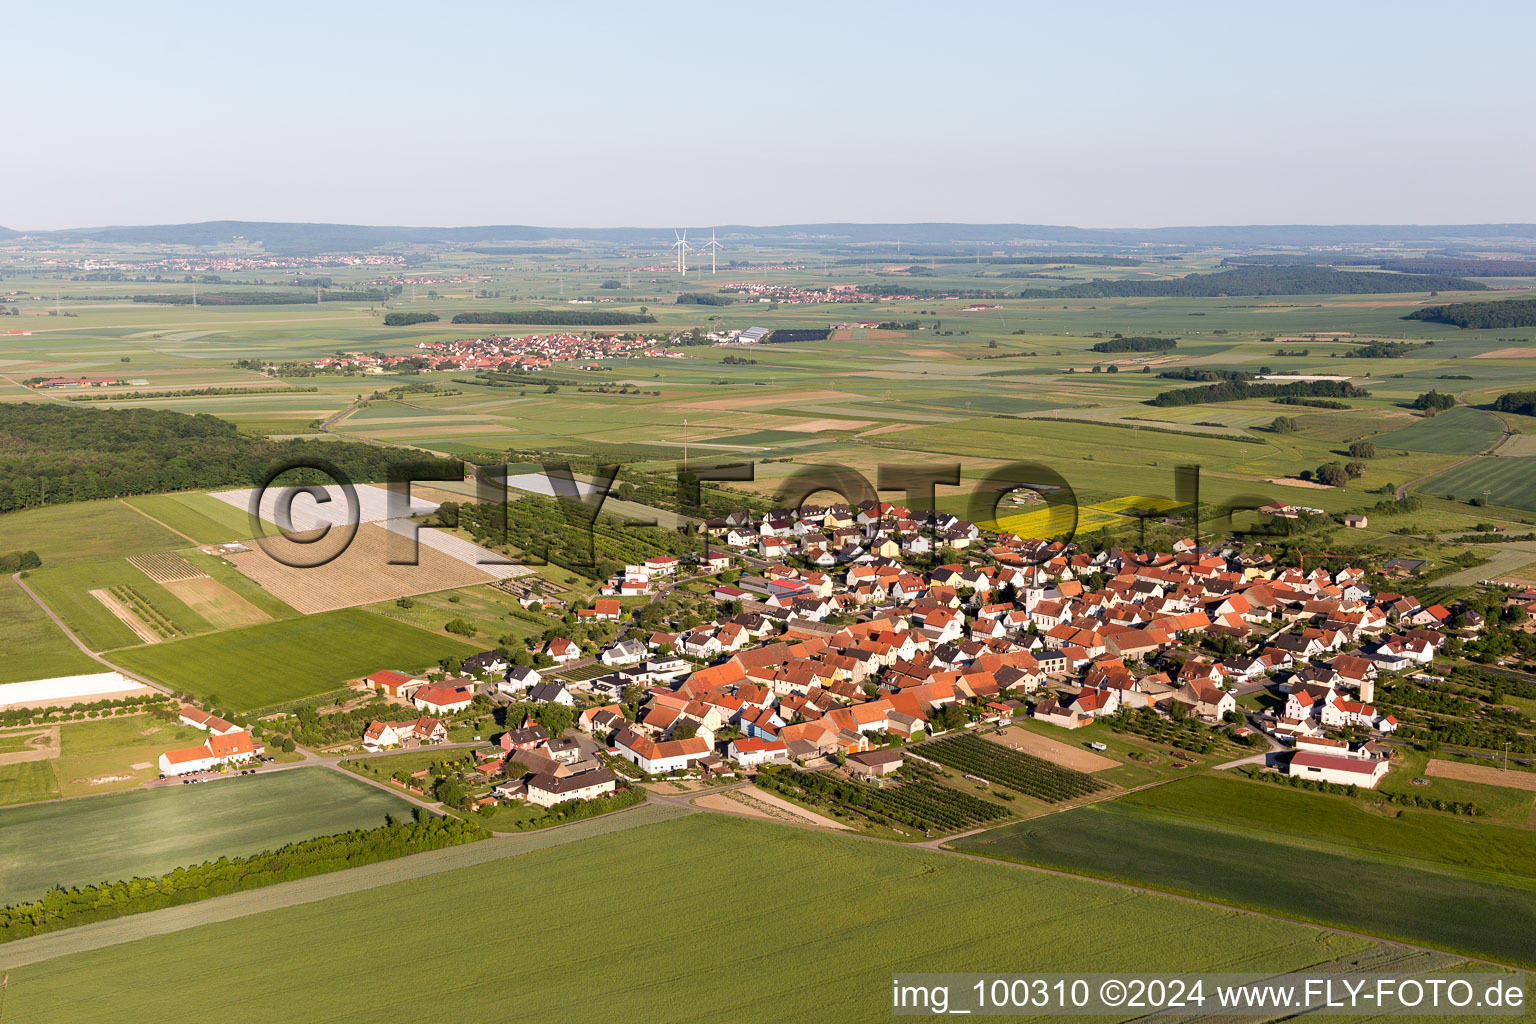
(548, 790)
(217, 750)
(443, 699)
(423, 731)
(752, 750)
(659, 758)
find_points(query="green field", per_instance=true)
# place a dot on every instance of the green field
(151, 832)
(858, 912)
(34, 648)
(67, 590)
(1508, 481)
(206, 520)
(275, 662)
(85, 532)
(25, 782)
(1419, 878)
(1458, 431)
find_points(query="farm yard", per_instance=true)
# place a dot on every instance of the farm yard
(842, 962)
(92, 757)
(259, 666)
(151, 832)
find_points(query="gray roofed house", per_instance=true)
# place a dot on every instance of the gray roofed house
(548, 790)
(551, 693)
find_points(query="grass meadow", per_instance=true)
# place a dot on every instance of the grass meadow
(33, 647)
(87, 531)
(858, 913)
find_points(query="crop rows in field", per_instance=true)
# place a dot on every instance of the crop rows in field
(146, 612)
(166, 567)
(917, 803)
(1025, 773)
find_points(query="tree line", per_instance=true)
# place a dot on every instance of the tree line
(1259, 281)
(1522, 403)
(1237, 390)
(407, 319)
(65, 908)
(1122, 344)
(53, 454)
(1480, 315)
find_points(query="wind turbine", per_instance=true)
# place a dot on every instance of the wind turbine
(713, 247)
(681, 245)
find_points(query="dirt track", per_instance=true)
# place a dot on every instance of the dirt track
(126, 616)
(1485, 774)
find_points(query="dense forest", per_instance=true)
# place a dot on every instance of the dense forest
(704, 299)
(1462, 267)
(556, 317)
(52, 454)
(1259, 281)
(1505, 313)
(1236, 390)
(407, 319)
(1123, 344)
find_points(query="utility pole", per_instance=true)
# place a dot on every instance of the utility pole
(685, 444)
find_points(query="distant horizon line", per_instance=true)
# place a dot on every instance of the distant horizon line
(771, 226)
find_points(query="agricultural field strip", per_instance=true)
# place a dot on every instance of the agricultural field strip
(838, 966)
(321, 887)
(309, 513)
(1025, 773)
(166, 567)
(374, 507)
(1146, 840)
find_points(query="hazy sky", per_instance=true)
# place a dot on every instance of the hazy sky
(1093, 114)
